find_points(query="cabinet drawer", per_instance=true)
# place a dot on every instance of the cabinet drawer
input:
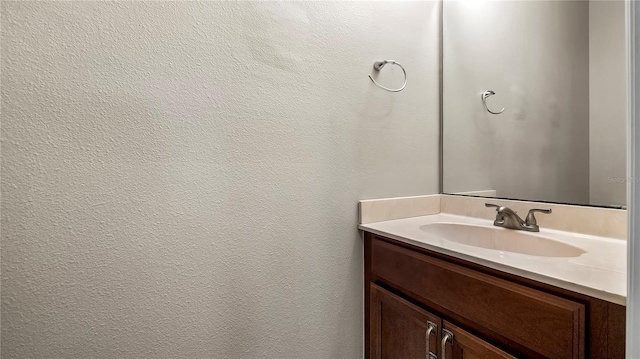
(547, 324)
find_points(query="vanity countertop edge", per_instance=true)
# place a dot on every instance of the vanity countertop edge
(591, 274)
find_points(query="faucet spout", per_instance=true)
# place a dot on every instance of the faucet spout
(508, 218)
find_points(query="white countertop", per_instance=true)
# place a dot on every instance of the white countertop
(599, 273)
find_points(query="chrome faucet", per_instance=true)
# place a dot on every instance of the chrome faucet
(508, 218)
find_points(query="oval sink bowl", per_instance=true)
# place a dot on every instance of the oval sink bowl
(501, 239)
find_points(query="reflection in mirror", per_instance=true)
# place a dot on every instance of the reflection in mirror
(558, 70)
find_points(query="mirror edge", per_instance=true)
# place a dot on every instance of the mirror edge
(632, 12)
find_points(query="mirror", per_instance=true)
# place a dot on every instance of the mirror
(558, 68)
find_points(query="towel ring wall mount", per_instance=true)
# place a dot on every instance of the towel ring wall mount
(484, 97)
(378, 65)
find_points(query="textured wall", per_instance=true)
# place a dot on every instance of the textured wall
(607, 103)
(179, 180)
(535, 56)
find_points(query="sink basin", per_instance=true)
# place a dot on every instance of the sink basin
(501, 239)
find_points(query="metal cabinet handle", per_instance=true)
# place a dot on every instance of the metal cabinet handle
(447, 336)
(431, 329)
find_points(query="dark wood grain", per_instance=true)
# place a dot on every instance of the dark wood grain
(616, 331)
(596, 327)
(549, 325)
(598, 338)
(368, 279)
(497, 339)
(398, 328)
(468, 346)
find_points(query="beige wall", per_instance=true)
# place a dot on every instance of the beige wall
(538, 149)
(180, 180)
(607, 103)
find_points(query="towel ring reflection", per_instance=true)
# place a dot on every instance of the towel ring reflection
(378, 65)
(484, 102)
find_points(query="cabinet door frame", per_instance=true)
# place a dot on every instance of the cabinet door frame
(555, 325)
(380, 296)
(463, 339)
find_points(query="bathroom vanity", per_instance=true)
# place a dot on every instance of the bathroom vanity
(484, 313)
(434, 288)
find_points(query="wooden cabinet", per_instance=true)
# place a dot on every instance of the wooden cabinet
(459, 344)
(479, 312)
(400, 329)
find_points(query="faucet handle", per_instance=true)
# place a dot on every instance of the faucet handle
(531, 218)
(492, 205)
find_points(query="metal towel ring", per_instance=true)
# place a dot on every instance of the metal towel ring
(484, 102)
(378, 65)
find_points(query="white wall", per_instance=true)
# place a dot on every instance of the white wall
(607, 103)
(538, 149)
(179, 180)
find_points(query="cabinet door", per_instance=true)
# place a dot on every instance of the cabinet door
(458, 344)
(548, 325)
(399, 329)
